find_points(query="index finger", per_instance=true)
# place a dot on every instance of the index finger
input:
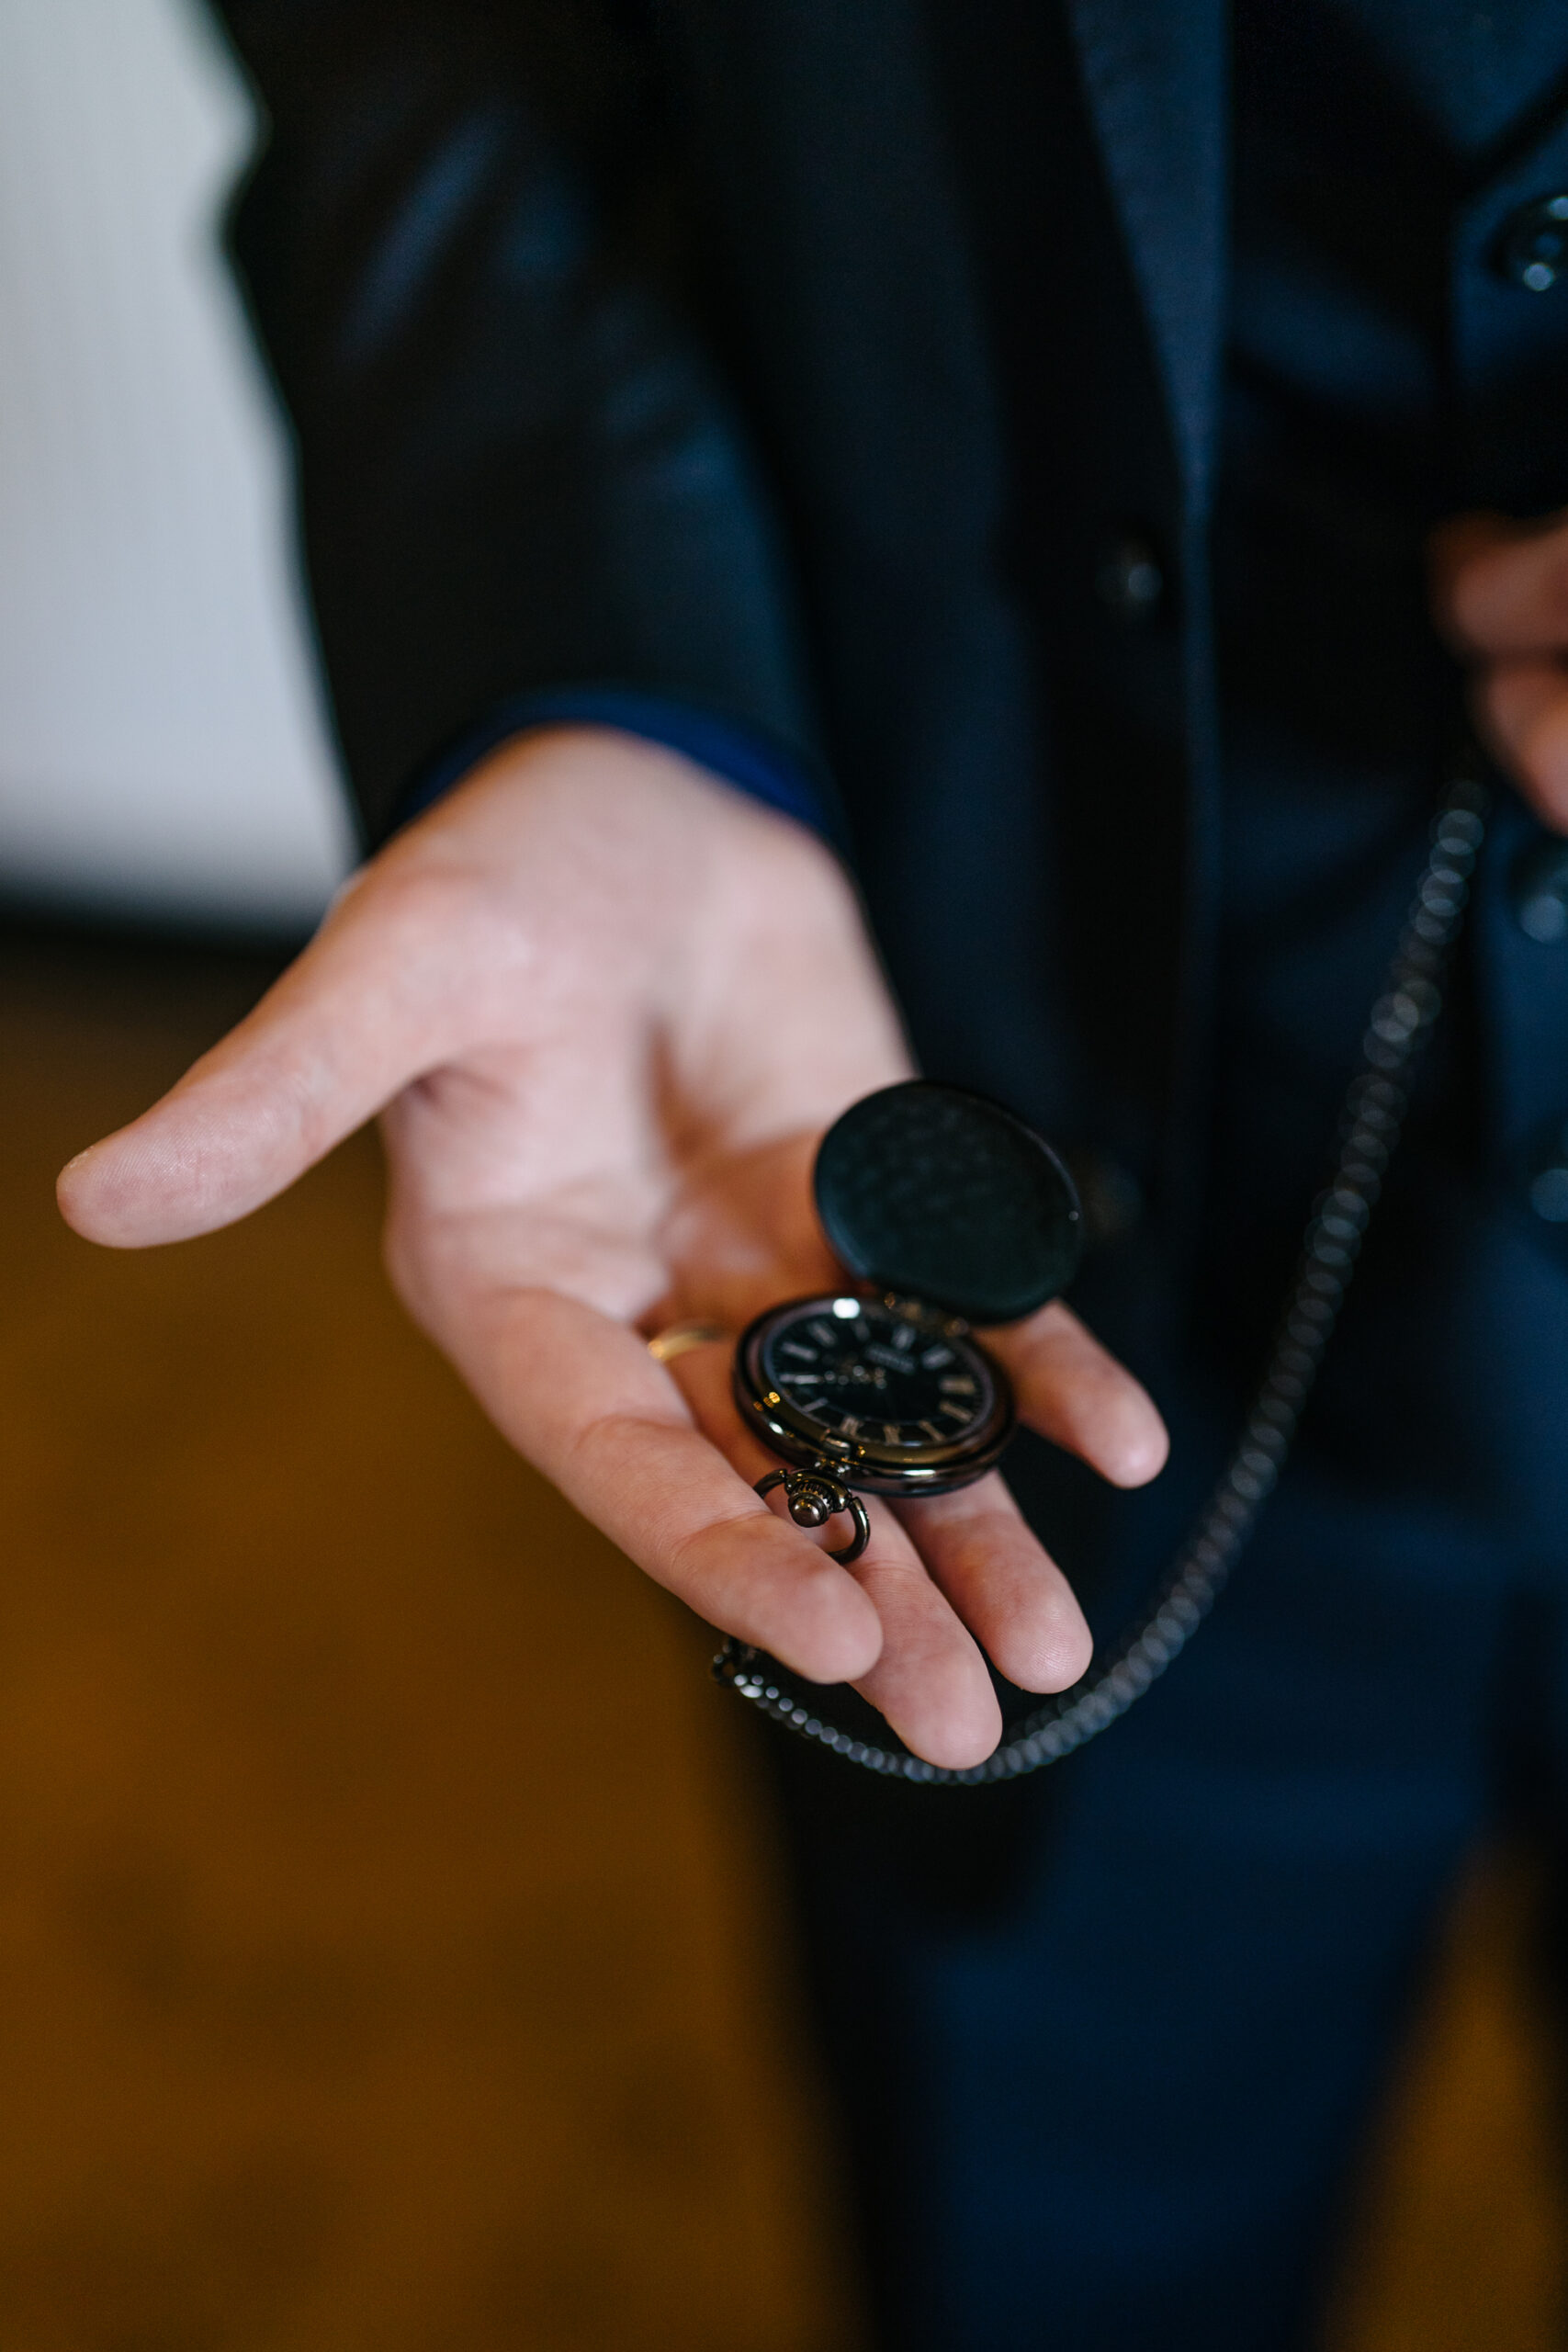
(579, 1395)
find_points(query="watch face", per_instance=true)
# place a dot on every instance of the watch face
(896, 1392)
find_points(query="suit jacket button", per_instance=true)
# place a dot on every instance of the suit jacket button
(1532, 250)
(1128, 578)
(1111, 1196)
(1539, 890)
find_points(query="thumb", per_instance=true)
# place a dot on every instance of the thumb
(374, 1001)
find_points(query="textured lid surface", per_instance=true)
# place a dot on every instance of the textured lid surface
(939, 1193)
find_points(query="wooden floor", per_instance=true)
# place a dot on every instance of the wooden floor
(387, 1950)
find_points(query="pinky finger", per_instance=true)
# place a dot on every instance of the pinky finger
(1074, 1392)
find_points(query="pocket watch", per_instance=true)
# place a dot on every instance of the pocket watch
(944, 1210)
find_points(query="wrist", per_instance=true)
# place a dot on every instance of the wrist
(758, 762)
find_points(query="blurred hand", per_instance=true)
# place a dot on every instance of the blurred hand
(605, 1008)
(1500, 591)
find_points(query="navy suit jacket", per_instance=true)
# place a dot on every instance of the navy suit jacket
(815, 364)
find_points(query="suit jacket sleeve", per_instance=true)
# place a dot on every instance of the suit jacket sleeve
(467, 245)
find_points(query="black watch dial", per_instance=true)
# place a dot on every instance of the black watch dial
(895, 1392)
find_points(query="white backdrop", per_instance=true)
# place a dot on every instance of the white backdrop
(162, 750)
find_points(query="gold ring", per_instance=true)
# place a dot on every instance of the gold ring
(677, 1338)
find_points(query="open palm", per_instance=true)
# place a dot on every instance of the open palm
(605, 1009)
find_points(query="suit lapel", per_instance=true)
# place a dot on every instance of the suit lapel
(1156, 76)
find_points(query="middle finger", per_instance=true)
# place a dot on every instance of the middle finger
(929, 1680)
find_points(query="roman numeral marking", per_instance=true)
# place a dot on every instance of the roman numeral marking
(931, 1431)
(959, 1412)
(793, 1348)
(822, 1334)
(934, 1358)
(957, 1384)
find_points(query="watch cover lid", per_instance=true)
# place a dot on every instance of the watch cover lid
(941, 1194)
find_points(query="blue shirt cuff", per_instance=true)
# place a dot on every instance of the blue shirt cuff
(745, 756)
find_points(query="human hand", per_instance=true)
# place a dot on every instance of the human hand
(1500, 593)
(605, 1007)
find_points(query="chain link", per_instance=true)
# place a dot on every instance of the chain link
(1375, 1114)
